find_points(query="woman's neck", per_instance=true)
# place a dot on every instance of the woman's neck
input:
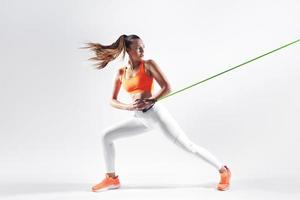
(134, 64)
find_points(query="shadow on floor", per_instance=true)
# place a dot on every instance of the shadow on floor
(271, 185)
(23, 188)
(167, 186)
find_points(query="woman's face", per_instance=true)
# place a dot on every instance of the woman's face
(136, 50)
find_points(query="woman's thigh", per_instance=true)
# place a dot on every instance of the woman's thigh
(159, 118)
(125, 128)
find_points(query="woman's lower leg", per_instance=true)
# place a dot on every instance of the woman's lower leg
(184, 142)
(111, 174)
(222, 169)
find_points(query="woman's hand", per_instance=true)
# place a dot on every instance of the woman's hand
(140, 104)
(149, 102)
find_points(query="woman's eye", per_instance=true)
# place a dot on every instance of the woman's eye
(137, 48)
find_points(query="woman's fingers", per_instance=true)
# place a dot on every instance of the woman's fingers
(138, 103)
(151, 100)
(141, 104)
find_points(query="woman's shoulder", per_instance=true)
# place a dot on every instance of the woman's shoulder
(149, 61)
(121, 70)
(150, 64)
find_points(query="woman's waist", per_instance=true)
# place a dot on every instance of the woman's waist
(141, 95)
(155, 107)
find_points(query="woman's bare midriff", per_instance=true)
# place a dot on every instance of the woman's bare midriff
(142, 95)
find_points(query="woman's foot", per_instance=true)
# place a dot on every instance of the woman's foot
(224, 183)
(107, 183)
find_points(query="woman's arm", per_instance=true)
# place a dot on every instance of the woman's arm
(160, 78)
(114, 101)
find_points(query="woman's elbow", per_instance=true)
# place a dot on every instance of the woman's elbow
(112, 102)
(168, 89)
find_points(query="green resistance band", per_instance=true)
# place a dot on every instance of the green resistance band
(244, 63)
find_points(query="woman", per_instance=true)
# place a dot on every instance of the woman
(137, 79)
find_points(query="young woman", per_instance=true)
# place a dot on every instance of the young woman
(137, 79)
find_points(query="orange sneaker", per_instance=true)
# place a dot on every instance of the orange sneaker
(107, 183)
(224, 183)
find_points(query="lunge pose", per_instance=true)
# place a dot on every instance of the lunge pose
(136, 77)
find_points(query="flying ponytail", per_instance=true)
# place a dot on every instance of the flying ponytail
(107, 53)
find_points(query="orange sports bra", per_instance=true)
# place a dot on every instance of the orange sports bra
(141, 82)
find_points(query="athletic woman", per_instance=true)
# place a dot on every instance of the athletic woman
(136, 77)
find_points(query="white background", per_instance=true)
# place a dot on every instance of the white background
(54, 103)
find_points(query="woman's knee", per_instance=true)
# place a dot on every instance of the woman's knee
(106, 137)
(184, 142)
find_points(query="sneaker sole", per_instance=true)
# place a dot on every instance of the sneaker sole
(227, 188)
(111, 187)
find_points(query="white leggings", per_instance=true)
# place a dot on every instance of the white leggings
(156, 118)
